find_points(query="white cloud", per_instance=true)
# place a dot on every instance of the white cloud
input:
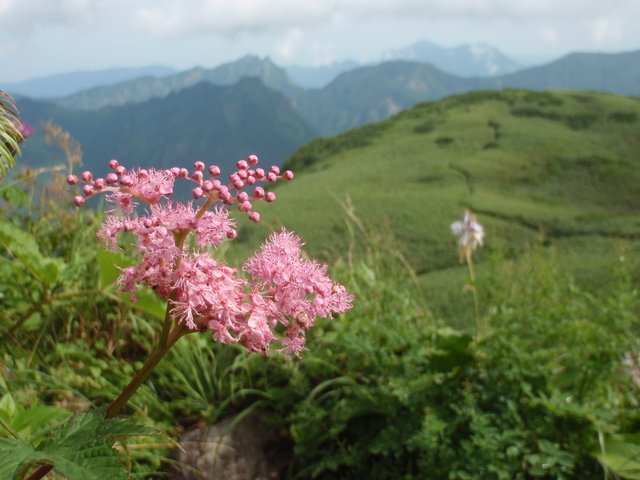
(223, 17)
(24, 16)
(606, 30)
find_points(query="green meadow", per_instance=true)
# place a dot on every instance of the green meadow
(543, 384)
(555, 167)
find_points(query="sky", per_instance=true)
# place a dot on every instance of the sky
(45, 37)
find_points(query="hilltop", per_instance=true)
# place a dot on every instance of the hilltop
(560, 165)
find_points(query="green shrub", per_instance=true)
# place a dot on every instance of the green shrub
(444, 141)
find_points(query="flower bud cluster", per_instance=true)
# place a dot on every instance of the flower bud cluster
(204, 293)
(150, 185)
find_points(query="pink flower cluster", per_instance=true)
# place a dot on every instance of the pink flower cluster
(204, 293)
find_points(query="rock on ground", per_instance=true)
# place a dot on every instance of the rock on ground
(250, 450)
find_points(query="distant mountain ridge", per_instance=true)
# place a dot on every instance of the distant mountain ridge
(145, 88)
(374, 93)
(219, 124)
(68, 83)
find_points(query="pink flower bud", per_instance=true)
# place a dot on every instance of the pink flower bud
(120, 170)
(112, 178)
(252, 160)
(125, 180)
(214, 170)
(216, 184)
(225, 195)
(245, 206)
(238, 184)
(242, 175)
(288, 175)
(242, 165)
(86, 176)
(207, 185)
(271, 177)
(78, 201)
(231, 234)
(143, 173)
(243, 196)
(99, 183)
(72, 179)
(275, 170)
(199, 166)
(175, 171)
(183, 173)
(254, 217)
(148, 222)
(113, 164)
(197, 176)
(250, 180)
(87, 190)
(259, 173)
(197, 192)
(258, 192)
(271, 197)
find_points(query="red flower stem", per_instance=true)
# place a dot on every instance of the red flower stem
(40, 473)
(154, 359)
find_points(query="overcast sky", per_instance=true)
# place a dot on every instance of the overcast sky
(44, 37)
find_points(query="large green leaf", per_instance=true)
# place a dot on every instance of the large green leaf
(82, 449)
(621, 454)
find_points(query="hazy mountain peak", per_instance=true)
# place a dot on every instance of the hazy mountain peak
(477, 60)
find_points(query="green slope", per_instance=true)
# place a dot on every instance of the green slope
(562, 163)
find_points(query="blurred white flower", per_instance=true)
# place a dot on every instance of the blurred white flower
(470, 234)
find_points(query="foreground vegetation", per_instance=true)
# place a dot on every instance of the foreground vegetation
(394, 388)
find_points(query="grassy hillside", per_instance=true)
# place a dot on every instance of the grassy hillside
(562, 165)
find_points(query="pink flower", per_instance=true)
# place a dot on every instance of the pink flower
(204, 293)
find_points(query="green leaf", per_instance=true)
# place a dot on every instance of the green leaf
(621, 454)
(80, 450)
(38, 416)
(15, 195)
(7, 407)
(109, 263)
(24, 247)
(13, 454)
(148, 300)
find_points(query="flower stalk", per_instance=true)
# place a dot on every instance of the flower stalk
(202, 293)
(470, 236)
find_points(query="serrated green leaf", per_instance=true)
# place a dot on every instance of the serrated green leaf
(13, 453)
(82, 448)
(38, 416)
